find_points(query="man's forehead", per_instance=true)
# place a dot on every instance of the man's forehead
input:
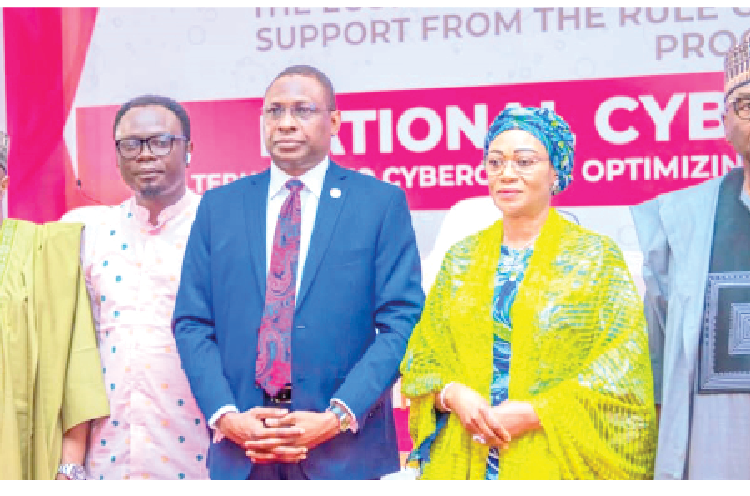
(288, 97)
(295, 86)
(152, 116)
(156, 112)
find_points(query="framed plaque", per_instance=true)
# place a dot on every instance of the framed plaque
(724, 364)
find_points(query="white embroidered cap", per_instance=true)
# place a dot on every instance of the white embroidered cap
(737, 67)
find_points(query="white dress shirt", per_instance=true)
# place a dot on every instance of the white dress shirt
(312, 181)
(309, 198)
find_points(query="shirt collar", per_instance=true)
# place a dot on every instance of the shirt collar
(745, 198)
(312, 179)
(141, 214)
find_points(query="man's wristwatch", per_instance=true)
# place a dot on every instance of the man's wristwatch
(344, 420)
(72, 471)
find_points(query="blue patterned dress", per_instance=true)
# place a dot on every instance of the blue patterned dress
(509, 273)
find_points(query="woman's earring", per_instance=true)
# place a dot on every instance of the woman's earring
(556, 187)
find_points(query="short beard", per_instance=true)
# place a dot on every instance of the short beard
(151, 191)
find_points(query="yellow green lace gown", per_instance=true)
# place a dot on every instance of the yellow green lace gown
(580, 357)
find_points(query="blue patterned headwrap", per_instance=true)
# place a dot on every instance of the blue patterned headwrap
(547, 127)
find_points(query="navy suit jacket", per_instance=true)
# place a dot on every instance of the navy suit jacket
(359, 299)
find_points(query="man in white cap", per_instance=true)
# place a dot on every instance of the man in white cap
(697, 274)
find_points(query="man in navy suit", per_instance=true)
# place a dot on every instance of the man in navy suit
(300, 288)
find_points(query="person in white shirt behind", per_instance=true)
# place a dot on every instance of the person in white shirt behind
(471, 215)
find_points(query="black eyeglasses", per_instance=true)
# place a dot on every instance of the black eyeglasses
(742, 107)
(160, 145)
(300, 111)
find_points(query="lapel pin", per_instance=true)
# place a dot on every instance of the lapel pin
(335, 193)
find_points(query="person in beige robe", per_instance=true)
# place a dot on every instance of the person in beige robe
(51, 382)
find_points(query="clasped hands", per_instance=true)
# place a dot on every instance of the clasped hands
(494, 426)
(274, 435)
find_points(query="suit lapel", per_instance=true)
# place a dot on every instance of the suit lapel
(256, 197)
(329, 208)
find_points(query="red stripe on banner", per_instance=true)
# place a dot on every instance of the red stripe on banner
(45, 49)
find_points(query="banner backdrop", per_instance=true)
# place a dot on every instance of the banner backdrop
(429, 141)
(641, 88)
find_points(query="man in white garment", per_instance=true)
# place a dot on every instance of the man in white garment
(697, 304)
(132, 259)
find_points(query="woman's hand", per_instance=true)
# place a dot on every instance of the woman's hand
(476, 415)
(517, 417)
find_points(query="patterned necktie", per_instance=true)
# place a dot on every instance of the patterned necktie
(273, 368)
